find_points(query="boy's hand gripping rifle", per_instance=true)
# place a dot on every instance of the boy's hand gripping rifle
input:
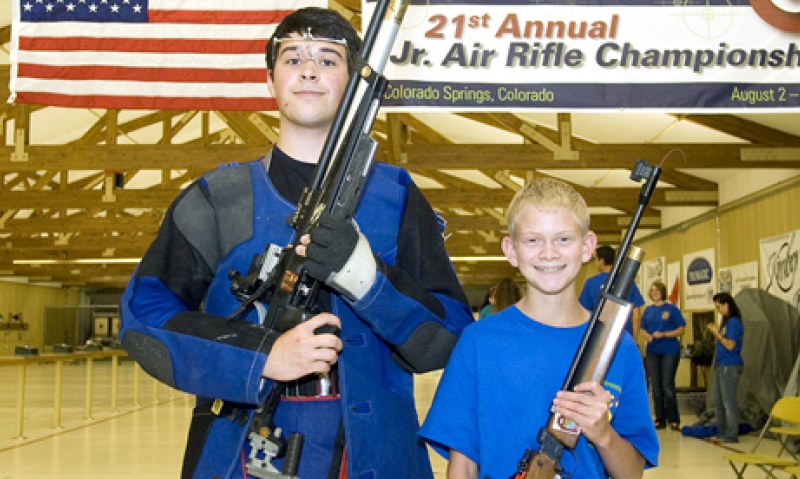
(278, 277)
(599, 342)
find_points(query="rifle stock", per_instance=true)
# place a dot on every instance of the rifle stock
(542, 467)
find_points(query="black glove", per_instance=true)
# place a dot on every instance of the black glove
(340, 255)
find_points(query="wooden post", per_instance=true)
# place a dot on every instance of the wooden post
(88, 398)
(57, 395)
(20, 399)
(136, 374)
(114, 375)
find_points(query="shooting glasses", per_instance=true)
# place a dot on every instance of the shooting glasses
(321, 50)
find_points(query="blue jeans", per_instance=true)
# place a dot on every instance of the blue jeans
(662, 369)
(723, 396)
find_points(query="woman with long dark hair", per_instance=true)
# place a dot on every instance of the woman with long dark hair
(729, 365)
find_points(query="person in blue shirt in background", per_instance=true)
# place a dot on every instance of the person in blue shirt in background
(729, 365)
(488, 302)
(590, 294)
(662, 325)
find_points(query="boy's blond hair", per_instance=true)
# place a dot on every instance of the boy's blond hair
(548, 194)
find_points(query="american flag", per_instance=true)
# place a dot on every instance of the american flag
(145, 54)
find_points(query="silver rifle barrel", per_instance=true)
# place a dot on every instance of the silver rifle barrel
(378, 43)
(390, 26)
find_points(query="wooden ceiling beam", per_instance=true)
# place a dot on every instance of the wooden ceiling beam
(397, 138)
(80, 241)
(744, 129)
(486, 198)
(420, 157)
(606, 156)
(80, 223)
(124, 157)
(426, 132)
(5, 34)
(244, 128)
(83, 274)
(150, 198)
(599, 223)
(86, 183)
(687, 181)
(95, 134)
(613, 197)
(67, 252)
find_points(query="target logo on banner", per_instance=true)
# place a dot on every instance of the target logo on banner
(781, 14)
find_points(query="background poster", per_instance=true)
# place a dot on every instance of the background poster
(735, 278)
(653, 270)
(698, 280)
(594, 54)
(779, 258)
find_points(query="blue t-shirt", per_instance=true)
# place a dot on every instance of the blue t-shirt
(733, 330)
(663, 318)
(590, 295)
(497, 388)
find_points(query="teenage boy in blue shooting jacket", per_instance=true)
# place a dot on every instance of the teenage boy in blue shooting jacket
(400, 310)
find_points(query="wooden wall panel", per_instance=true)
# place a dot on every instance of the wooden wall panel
(680, 242)
(735, 232)
(30, 301)
(743, 227)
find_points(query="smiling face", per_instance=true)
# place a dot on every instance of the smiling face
(548, 248)
(308, 81)
(655, 293)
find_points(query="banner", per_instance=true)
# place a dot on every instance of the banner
(652, 271)
(735, 278)
(596, 55)
(779, 258)
(698, 280)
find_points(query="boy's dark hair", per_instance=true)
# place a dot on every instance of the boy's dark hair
(324, 23)
(606, 253)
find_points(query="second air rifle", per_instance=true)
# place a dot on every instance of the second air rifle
(598, 345)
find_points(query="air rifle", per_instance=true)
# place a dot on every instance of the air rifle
(277, 277)
(599, 342)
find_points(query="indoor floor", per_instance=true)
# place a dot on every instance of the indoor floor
(146, 440)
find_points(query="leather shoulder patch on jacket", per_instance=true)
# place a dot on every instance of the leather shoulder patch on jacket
(231, 191)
